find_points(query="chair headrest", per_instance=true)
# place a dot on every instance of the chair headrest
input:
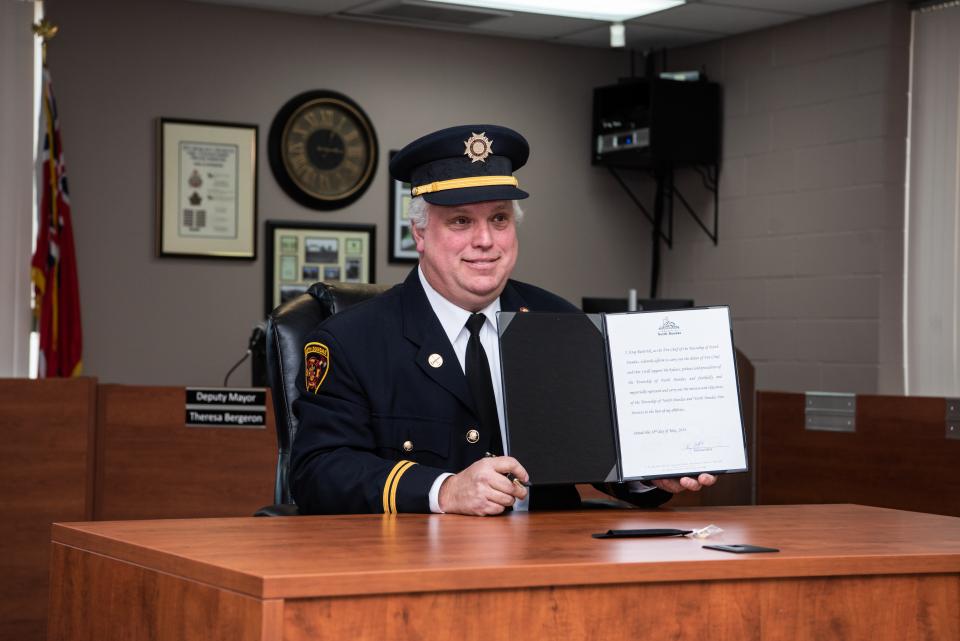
(336, 297)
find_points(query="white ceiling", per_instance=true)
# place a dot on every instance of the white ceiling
(696, 21)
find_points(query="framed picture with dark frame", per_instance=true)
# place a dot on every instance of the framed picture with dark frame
(302, 253)
(206, 189)
(402, 247)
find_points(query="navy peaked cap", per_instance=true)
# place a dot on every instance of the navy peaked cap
(464, 164)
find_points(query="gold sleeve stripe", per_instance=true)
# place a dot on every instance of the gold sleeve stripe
(460, 183)
(390, 486)
(396, 483)
(388, 483)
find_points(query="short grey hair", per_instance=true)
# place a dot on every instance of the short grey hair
(420, 208)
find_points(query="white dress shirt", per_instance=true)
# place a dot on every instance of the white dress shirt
(453, 319)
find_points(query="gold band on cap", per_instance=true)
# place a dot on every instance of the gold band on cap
(460, 183)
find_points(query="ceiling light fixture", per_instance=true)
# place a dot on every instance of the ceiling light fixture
(618, 35)
(606, 10)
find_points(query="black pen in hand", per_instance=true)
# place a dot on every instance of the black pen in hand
(510, 477)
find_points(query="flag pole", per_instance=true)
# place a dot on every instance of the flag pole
(53, 267)
(46, 30)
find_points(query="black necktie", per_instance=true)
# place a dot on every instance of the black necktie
(481, 386)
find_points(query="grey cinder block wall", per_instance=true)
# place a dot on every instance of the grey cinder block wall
(811, 200)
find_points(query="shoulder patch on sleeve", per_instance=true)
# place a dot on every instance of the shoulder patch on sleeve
(316, 363)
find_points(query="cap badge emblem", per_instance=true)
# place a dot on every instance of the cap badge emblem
(478, 147)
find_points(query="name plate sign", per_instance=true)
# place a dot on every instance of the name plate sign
(226, 407)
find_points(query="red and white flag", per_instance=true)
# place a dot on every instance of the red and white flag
(54, 264)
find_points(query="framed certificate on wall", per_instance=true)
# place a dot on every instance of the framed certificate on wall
(206, 189)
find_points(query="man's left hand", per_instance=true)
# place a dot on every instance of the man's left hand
(675, 486)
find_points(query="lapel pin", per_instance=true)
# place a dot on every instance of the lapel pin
(435, 360)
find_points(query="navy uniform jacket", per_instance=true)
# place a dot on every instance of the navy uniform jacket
(384, 423)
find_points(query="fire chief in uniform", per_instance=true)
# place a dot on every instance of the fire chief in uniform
(398, 402)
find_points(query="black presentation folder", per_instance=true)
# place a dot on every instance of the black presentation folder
(558, 398)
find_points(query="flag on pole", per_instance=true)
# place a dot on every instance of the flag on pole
(54, 264)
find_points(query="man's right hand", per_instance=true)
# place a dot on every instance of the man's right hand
(483, 489)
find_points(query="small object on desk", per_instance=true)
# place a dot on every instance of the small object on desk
(740, 548)
(645, 533)
(707, 532)
(510, 477)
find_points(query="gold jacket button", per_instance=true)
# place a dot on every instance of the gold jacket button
(408, 446)
(473, 436)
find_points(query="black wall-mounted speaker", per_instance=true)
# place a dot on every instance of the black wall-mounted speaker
(660, 123)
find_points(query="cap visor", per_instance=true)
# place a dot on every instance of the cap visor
(469, 195)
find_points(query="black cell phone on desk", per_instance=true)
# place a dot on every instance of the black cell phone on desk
(644, 533)
(740, 548)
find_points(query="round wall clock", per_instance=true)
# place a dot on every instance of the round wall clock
(323, 149)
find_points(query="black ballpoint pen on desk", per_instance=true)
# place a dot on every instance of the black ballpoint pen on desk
(513, 479)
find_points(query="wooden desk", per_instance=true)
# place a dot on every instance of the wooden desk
(150, 466)
(46, 475)
(845, 572)
(898, 457)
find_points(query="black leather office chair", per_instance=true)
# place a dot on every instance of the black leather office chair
(287, 327)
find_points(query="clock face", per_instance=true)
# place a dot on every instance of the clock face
(323, 150)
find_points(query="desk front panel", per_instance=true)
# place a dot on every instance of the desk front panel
(151, 466)
(898, 457)
(46, 475)
(857, 608)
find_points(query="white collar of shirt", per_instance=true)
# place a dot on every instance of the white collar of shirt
(453, 318)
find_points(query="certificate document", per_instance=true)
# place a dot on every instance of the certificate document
(617, 397)
(676, 400)
(208, 189)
